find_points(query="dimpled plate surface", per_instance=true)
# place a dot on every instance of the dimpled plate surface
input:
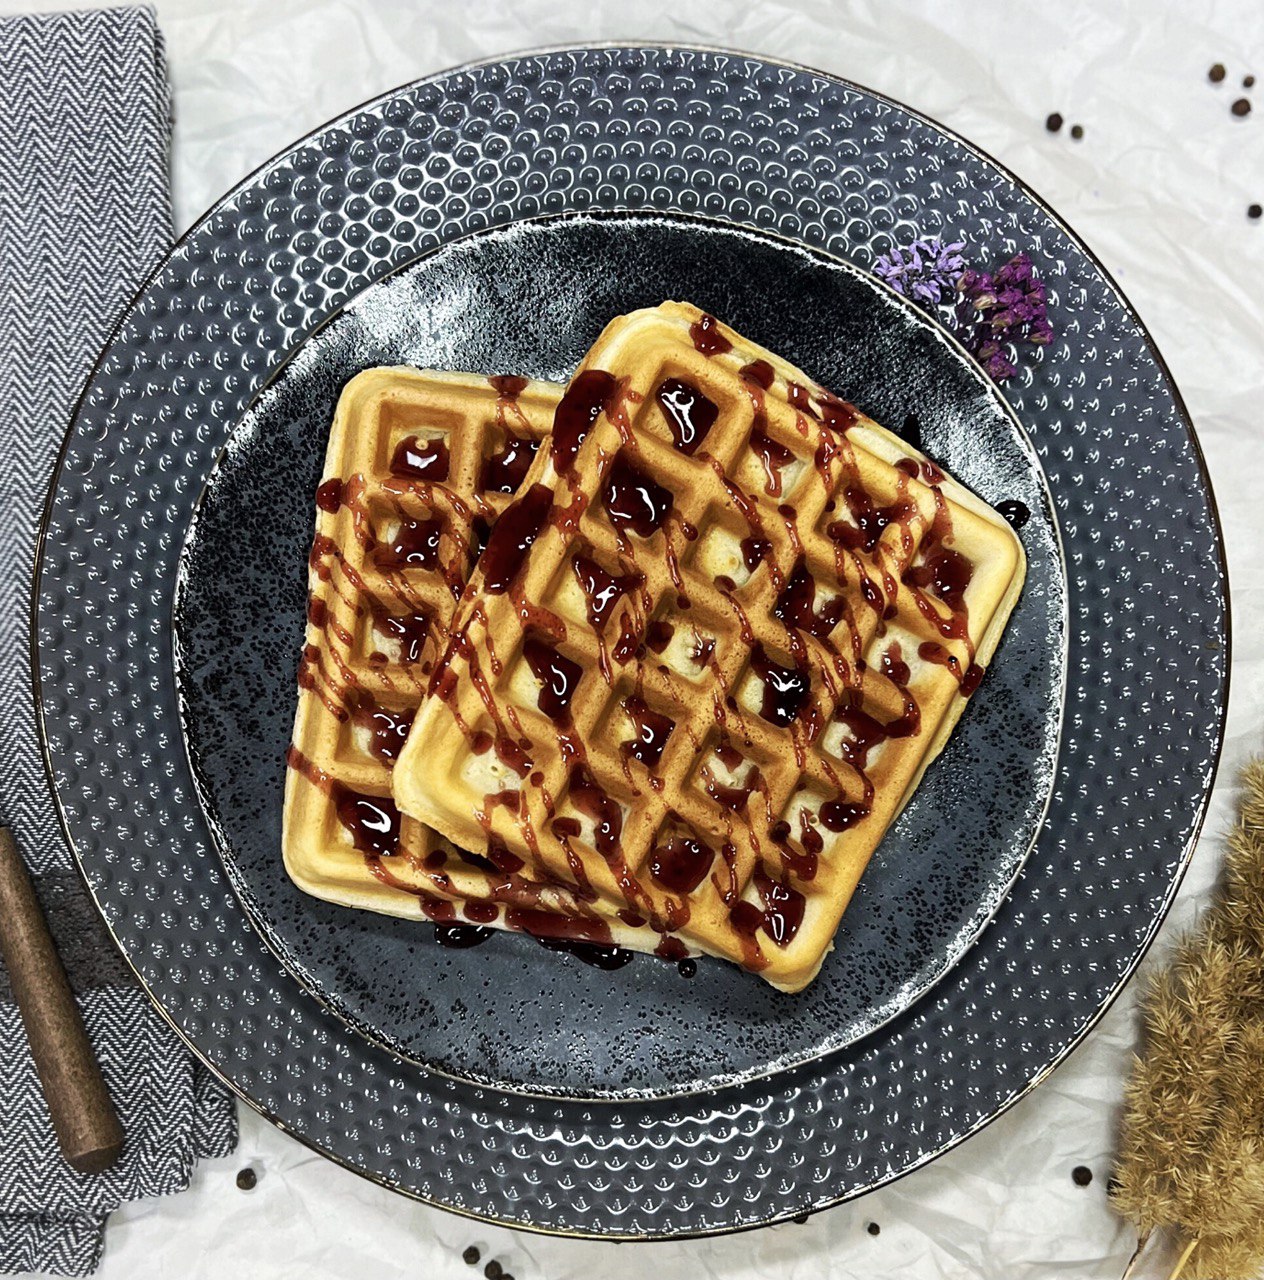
(747, 141)
(942, 869)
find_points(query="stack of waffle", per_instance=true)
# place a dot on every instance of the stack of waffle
(720, 624)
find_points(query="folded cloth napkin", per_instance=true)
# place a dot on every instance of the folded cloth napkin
(84, 216)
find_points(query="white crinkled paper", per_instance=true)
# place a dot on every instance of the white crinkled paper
(1159, 188)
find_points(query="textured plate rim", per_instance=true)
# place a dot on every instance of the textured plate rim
(1199, 817)
(899, 1001)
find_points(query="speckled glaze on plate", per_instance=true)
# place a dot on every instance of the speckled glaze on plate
(746, 141)
(640, 1030)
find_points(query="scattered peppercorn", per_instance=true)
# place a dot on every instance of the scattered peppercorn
(471, 1256)
(1081, 1175)
(1248, 82)
(874, 1228)
(247, 1179)
(494, 1271)
(1254, 211)
(1077, 131)
(1053, 122)
(1242, 107)
(1217, 73)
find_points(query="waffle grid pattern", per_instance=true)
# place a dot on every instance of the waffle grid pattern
(405, 502)
(788, 749)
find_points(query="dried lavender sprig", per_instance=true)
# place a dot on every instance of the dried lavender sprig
(995, 313)
(926, 272)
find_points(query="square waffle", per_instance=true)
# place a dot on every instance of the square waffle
(710, 648)
(418, 466)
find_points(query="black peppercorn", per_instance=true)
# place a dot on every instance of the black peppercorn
(1053, 122)
(471, 1256)
(1254, 211)
(1217, 73)
(873, 1228)
(494, 1271)
(247, 1179)
(1077, 131)
(1241, 108)
(1248, 82)
(1081, 1175)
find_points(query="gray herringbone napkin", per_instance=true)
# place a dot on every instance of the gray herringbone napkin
(84, 216)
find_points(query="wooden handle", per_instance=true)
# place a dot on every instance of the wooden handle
(84, 1119)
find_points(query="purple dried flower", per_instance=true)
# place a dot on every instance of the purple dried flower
(927, 272)
(997, 312)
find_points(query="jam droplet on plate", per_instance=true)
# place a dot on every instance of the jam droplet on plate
(634, 501)
(594, 954)
(585, 938)
(1017, 513)
(462, 936)
(689, 413)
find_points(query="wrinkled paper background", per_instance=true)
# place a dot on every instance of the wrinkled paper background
(1159, 188)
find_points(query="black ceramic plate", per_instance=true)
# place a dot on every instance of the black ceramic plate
(751, 143)
(936, 879)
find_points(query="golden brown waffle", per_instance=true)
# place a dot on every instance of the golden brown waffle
(418, 467)
(711, 647)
